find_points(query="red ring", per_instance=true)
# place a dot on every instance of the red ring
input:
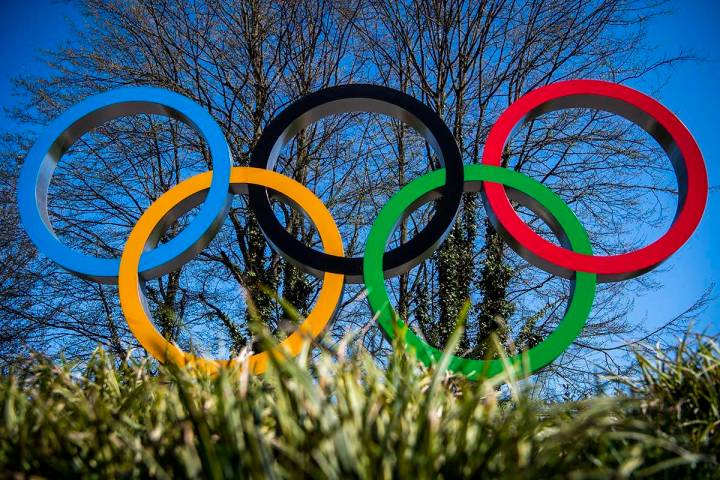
(634, 106)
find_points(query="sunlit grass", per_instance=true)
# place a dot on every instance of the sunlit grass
(337, 417)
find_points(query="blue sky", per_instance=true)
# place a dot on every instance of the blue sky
(26, 27)
(692, 92)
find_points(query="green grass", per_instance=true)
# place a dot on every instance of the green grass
(349, 418)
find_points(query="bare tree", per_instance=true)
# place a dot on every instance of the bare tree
(243, 62)
(470, 61)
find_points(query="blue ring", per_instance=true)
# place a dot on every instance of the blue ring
(40, 163)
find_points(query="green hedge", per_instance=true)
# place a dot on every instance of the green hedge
(350, 418)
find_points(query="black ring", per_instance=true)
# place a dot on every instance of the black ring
(358, 98)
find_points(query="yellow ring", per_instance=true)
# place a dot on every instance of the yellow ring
(132, 297)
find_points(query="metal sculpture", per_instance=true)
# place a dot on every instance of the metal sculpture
(144, 259)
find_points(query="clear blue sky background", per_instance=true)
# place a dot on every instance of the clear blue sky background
(692, 93)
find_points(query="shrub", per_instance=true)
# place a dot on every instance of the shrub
(339, 417)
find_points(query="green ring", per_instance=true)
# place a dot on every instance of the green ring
(525, 363)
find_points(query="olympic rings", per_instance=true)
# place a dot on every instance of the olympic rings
(571, 232)
(143, 259)
(40, 163)
(353, 98)
(646, 113)
(181, 199)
